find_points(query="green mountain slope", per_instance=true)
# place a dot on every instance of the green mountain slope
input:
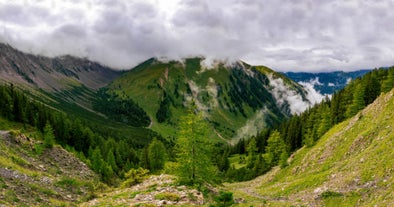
(236, 99)
(351, 165)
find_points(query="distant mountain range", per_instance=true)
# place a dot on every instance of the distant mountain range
(326, 82)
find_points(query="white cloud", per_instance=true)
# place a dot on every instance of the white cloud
(285, 95)
(316, 82)
(285, 35)
(331, 84)
(312, 95)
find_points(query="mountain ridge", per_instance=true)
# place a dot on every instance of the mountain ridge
(229, 93)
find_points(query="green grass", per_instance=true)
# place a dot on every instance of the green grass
(167, 196)
(238, 161)
(351, 165)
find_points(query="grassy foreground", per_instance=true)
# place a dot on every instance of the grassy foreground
(351, 165)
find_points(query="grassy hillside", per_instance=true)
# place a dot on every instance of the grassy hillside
(351, 165)
(32, 175)
(236, 99)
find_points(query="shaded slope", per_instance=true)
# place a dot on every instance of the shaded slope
(351, 165)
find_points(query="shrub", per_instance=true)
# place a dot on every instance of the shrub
(134, 176)
(167, 196)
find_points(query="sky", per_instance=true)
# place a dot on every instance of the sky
(286, 35)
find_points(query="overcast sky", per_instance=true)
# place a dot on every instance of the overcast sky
(286, 35)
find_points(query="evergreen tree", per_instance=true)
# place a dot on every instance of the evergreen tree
(97, 160)
(49, 137)
(157, 155)
(388, 83)
(372, 87)
(111, 160)
(252, 151)
(325, 120)
(193, 150)
(358, 101)
(275, 147)
(260, 166)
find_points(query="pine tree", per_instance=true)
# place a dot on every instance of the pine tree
(49, 137)
(388, 83)
(275, 147)
(358, 101)
(252, 151)
(111, 160)
(325, 120)
(97, 160)
(157, 155)
(193, 150)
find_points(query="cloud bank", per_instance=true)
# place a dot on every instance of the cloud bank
(305, 35)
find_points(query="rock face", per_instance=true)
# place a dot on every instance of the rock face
(32, 175)
(155, 191)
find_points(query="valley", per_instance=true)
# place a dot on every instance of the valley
(74, 132)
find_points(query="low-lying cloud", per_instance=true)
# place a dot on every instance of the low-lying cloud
(284, 35)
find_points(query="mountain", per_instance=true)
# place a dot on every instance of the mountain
(63, 79)
(326, 82)
(237, 99)
(351, 165)
(52, 74)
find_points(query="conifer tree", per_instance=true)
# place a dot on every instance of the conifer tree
(358, 101)
(275, 147)
(252, 151)
(388, 83)
(49, 137)
(193, 150)
(157, 155)
(111, 160)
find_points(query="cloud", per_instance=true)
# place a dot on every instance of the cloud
(284, 35)
(312, 95)
(285, 95)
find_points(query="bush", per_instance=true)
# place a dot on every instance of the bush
(224, 199)
(167, 196)
(134, 176)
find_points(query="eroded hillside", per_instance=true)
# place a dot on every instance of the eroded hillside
(32, 175)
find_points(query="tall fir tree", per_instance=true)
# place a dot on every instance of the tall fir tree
(388, 83)
(358, 102)
(194, 150)
(275, 147)
(49, 137)
(157, 155)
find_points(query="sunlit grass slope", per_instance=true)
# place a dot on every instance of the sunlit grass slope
(351, 165)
